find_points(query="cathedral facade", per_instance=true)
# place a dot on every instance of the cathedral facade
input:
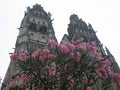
(36, 29)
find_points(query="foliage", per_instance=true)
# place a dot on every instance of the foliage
(64, 66)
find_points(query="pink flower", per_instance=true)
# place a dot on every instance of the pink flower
(117, 77)
(71, 46)
(52, 43)
(109, 70)
(81, 47)
(64, 48)
(93, 44)
(51, 56)
(6, 88)
(105, 76)
(69, 77)
(23, 55)
(92, 47)
(71, 55)
(77, 42)
(85, 80)
(88, 88)
(33, 88)
(78, 56)
(13, 84)
(70, 80)
(22, 86)
(42, 58)
(13, 57)
(24, 76)
(98, 55)
(45, 51)
(102, 72)
(105, 63)
(36, 53)
(52, 73)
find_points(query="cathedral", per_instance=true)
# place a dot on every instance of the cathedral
(36, 29)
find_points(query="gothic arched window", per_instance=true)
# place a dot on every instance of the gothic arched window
(32, 27)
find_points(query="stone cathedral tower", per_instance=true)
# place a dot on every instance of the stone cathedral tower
(79, 30)
(34, 32)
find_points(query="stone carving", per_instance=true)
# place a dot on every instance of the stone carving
(43, 30)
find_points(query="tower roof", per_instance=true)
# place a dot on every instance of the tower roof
(36, 10)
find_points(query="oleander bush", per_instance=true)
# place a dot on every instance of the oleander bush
(64, 66)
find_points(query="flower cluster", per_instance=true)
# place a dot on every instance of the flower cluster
(117, 77)
(74, 65)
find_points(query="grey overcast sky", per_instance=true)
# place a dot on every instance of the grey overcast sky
(104, 15)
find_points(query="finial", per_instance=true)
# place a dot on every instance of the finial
(108, 52)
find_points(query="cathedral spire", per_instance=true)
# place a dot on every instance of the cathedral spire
(35, 29)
